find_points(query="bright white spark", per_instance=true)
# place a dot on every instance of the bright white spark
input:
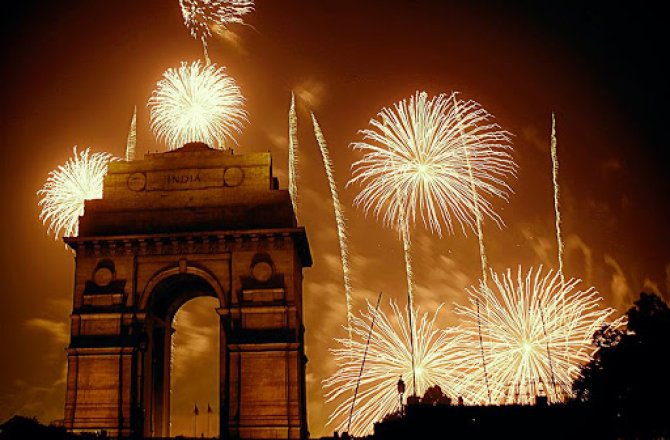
(68, 187)
(416, 162)
(339, 216)
(536, 331)
(195, 103)
(388, 359)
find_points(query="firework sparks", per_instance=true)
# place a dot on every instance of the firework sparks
(473, 193)
(439, 159)
(415, 162)
(195, 103)
(132, 137)
(293, 156)
(554, 173)
(68, 187)
(339, 216)
(520, 318)
(201, 16)
(388, 358)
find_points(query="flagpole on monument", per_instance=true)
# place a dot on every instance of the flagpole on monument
(209, 411)
(195, 420)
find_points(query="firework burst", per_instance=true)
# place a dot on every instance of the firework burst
(440, 158)
(200, 16)
(388, 358)
(535, 334)
(68, 187)
(416, 162)
(196, 103)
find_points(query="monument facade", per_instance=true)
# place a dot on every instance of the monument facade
(171, 227)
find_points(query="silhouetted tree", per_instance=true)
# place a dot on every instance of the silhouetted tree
(435, 396)
(28, 428)
(627, 384)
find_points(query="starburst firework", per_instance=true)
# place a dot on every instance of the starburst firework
(68, 187)
(440, 158)
(536, 333)
(196, 103)
(415, 162)
(201, 15)
(388, 358)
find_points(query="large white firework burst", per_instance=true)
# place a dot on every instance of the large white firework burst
(196, 103)
(388, 359)
(200, 16)
(68, 187)
(535, 333)
(418, 158)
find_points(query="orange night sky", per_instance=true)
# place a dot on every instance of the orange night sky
(73, 70)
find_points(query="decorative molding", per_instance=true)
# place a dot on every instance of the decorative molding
(191, 243)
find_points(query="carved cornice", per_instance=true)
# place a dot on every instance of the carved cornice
(213, 242)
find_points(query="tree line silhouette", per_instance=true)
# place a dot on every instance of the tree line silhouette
(626, 385)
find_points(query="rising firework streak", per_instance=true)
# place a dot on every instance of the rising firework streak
(475, 201)
(293, 156)
(131, 143)
(339, 217)
(557, 210)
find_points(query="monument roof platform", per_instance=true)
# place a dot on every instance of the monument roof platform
(191, 189)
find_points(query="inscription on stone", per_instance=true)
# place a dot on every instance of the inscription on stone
(186, 179)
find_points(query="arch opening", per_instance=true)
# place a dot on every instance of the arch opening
(183, 354)
(195, 369)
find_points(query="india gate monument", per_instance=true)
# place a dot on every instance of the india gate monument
(172, 227)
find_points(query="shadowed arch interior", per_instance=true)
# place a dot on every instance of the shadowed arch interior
(173, 292)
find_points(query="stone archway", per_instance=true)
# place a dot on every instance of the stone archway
(154, 241)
